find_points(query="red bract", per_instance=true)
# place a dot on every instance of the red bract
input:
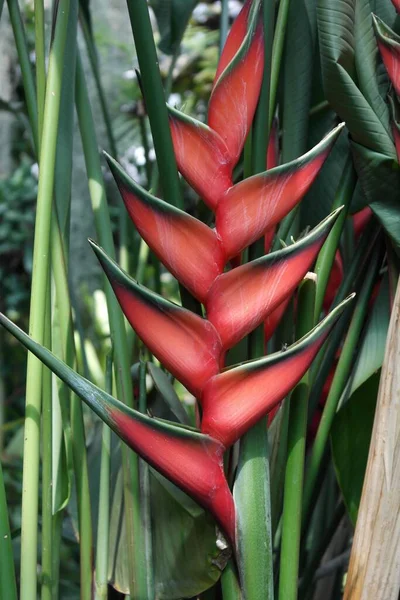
(186, 344)
(237, 84)
(389, 47)
(235, 400)
(251, 207)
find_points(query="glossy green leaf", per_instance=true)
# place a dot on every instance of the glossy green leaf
(187, 560)
(336, 23)
(372, 350)
(300, 46)
(186, 557)
(379, 176)
(372, 79)
(350, 438)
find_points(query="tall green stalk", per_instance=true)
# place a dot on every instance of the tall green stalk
(155, 101)
(8, 586)
(101, 591)
(136, 556)
(41, 259)
(47, 464)
(25, 66)
(252, 488)
(40, 62)
(277, 51)
(297, 431)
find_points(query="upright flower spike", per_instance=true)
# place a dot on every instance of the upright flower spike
(187, 345)
(237, 84)
(241, 299)
(233, 401)
(188, 248)
(389, 47)
(253, 206)
(202, 157)
(187, 458)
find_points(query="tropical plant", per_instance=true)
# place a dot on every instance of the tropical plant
(267, 325)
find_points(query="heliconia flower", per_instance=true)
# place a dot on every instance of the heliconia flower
(238, 80)
(188, 248)
(251, 207)
(187, 345)
(193, 461)
(202, 157)
(389, 47)
(233, 401)
(240, 299)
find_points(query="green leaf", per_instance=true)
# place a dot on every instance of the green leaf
(187, 560)
(373, 82)
(350, 438)
(172, 18)
(372, 350)
(297, 77)
(379, 176)
(336, 26)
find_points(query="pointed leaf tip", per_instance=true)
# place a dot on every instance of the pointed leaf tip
(389, 48)
(191, 460)
(237, 86)
(188, 248)
(253, 206)
(187, 345)
(241, 299)
(233, 401)
(202, 157)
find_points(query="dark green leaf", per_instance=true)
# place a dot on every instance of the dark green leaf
(172, 18)
(372, 350)
(379, 176)
(336, 26)
(350, 438)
